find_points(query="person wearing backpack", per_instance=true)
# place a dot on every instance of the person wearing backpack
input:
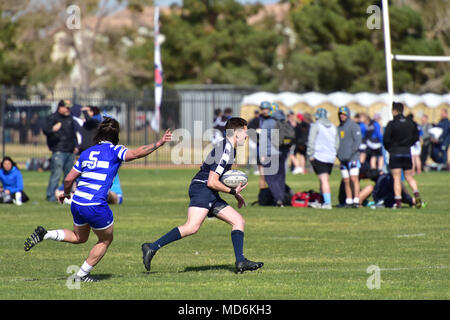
(323, 143)
(275, 151)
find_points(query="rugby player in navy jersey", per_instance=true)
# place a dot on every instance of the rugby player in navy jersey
(205, 200)
(97, 167)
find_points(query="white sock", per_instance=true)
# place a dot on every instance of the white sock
(57, 235)
(348, 201)
(84, 270)
(356, 200)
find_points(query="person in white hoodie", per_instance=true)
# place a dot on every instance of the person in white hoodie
(323, 143)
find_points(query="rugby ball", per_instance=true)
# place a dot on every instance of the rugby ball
(232, 178)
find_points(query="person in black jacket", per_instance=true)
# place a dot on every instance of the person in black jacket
(93, 119)
(400, 134)
(61, 140)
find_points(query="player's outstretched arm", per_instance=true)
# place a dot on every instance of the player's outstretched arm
(144, 151)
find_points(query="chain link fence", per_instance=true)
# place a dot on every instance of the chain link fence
(23, 111)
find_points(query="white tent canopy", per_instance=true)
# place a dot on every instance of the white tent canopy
(365, 99)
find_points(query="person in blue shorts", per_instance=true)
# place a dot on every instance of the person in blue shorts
(205, 200)
(97, 166)
(115, 194)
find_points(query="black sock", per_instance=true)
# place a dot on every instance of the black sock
(237, 237)
(171, 236)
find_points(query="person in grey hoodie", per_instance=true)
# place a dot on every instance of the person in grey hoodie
(348, 154)
(274, 157)
(323, 143)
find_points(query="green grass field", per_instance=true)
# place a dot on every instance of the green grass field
(308, 254)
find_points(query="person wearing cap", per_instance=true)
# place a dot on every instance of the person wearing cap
(323, 143)
(272, 156)
(61, 140)
(266, 122)
(348, 155)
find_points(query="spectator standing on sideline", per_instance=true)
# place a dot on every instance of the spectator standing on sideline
(24, 128)
(88, 131)
(348, 155)
(265, 123)
(253, 126)
(374, 141)
(219, 127)
(360, 119)
(302, 141)
(323, 143)
(276, 156)
(416, 149)
(35, 126)
(426, 142)
(400, 134)
(61, 140)
(444, 140)
(295, 163)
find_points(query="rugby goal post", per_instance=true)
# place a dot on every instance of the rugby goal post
(398, 57)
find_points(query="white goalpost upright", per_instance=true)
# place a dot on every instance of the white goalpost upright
(398, 57)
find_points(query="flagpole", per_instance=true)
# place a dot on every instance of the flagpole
(158, 74)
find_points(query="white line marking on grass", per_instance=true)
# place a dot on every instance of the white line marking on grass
(410, 235)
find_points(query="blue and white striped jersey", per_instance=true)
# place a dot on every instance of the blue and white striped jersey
(219, 160)
(98, 166)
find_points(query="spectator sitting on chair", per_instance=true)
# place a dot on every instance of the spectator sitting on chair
(12, 183)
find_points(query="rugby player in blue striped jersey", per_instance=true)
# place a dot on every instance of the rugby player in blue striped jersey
(96, 167)
(205, 200)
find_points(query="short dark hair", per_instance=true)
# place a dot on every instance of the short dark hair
(108, 130)
(234, 123)
(398, 106)
(94, 109)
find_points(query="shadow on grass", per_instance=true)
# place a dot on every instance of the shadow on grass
(105, 276)
(228, 267)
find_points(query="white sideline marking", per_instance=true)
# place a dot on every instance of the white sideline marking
(410, 235)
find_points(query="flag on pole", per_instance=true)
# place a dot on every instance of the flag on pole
(158, 75)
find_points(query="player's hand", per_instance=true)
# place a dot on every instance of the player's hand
(61, 198)
(167, 137)
(240, 187)
(240, 200)
(56, 127)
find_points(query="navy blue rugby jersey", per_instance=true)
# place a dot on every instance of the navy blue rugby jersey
(219, 160)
